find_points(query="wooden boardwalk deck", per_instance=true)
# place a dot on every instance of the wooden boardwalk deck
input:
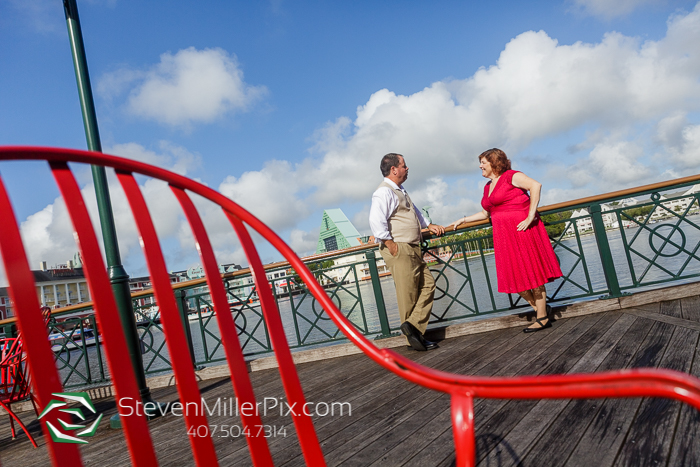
(395, 423)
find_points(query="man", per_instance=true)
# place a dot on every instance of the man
(396, 223)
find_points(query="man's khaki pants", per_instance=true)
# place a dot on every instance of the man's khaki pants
(415, 286)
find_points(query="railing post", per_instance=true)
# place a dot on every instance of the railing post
(378, 296)
(181, 299)
(606, 259)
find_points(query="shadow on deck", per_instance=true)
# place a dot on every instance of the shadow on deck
(394, 422)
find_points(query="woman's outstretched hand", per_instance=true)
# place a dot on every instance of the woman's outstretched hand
(526, 223)
(453, 226)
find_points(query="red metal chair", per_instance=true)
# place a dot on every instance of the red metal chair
(462, 389)
(14, 384)
(14, 376)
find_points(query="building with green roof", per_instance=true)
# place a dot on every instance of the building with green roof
(337, 232)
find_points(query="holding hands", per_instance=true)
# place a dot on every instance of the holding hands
(436, 229)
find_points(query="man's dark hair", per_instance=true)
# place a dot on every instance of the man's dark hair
(389, 161)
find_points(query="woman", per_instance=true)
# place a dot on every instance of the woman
(525, 260)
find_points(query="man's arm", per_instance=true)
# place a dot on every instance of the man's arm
(434, 228)
(382, 207)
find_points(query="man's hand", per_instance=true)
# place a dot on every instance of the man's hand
(392, 246)
(436, 229)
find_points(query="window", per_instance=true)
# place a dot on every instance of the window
(330, 243)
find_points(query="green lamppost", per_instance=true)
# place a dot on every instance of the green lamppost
(118, 276)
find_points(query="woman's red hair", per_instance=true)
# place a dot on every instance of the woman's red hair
(498, 160)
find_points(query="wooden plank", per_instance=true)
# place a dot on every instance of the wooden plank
(649, 307)
(690, 308)
(642, 346)
(359, 394)
(567, 419)
(266, 384)
(649, 438)
(413, 435)
(321, 380)
(518, 425)
(662, 318)
(435, 438)
(685, 449)
(657, 295)
(344, 445)
(528, 358)
(382, 390)
(671, 308)
(495, 357)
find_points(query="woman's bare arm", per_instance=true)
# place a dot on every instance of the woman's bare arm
(521, 180)
(479, 216)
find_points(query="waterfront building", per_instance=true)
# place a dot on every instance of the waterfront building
(139, 284)
(4, 302)
(684, 199)
(244, 287)
(338, 233)
(584, 222)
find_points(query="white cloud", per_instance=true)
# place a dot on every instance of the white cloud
(361, 220)
(271, 194)
(537, 89)
(611, 165)
(681, 142)
(607, 9)
(48, 235)
(172, 157)
(447, 203)
(303, 243)
(190, 86)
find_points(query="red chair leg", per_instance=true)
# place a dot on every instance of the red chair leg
(12, 427)
(463, 429)
(36, 409)
(14, 417)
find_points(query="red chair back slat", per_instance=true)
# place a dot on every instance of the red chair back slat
(310, 446)
(242, 386)
(42, 369)
(176, 340)
(135, 425)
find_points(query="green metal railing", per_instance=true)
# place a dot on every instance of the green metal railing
(610, 247)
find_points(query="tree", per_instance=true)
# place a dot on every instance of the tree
(554, 223)
(637, 212)
(313, 267)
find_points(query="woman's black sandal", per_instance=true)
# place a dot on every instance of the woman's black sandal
(542, 326)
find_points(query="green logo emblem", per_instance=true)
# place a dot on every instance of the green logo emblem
(59, 436)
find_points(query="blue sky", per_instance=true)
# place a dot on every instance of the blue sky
(287, 107)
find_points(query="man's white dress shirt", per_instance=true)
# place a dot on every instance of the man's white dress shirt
(384, 203)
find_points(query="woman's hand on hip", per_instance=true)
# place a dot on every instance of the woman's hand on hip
(526, 223)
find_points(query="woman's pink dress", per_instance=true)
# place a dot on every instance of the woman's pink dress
(524, 260)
